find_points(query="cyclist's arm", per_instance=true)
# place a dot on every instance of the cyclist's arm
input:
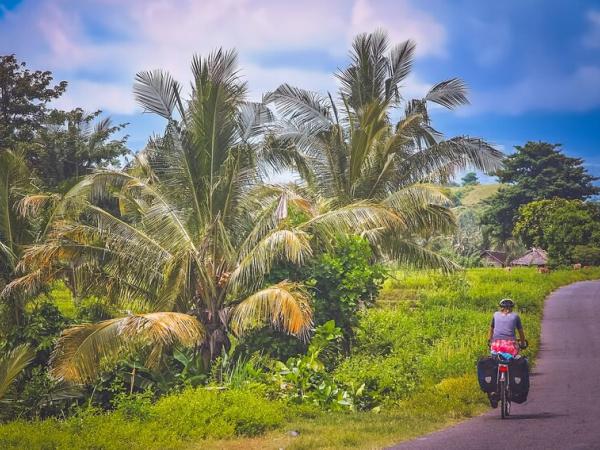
(491, 333)
(521, 335)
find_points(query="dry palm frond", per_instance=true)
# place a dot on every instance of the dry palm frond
(285, 305)
(81, 348)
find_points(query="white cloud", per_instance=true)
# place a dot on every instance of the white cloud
(402, 21)
(99, 45)
(90, 95)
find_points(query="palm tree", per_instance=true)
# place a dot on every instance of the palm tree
(185, 237)
(350, 149)
(15, 230)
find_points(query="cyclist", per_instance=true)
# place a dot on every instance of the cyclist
(502, 338)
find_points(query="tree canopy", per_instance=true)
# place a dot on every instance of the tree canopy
(558, 226)
(470, 179)
(347, 147)
(536, 171)
(24, 98)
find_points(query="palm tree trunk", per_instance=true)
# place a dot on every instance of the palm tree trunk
(217, 335)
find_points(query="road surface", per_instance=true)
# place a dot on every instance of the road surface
(563, 410)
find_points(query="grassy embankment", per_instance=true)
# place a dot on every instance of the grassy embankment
(415, 353)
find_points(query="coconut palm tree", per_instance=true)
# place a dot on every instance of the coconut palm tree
(15, 230)
(350, 148)
(185, 236)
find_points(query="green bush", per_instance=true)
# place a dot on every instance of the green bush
(586, 255)
(345, 281)
(136, 424)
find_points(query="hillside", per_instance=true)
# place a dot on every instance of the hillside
(474, 195)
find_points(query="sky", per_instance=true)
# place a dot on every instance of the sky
(532, 66)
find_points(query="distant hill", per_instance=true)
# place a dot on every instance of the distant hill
(474, 195)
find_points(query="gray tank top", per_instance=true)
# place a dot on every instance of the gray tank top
(505, 324)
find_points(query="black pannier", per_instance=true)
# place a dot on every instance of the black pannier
(518, 371)
(487, 374)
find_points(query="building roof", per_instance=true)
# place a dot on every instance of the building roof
(534, 257)
(501, 257)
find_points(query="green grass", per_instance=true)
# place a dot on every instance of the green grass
(475, 195)
(432, 328)
(416, 353)
(479, 193)
(173, 422)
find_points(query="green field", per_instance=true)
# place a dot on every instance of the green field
(415, 353)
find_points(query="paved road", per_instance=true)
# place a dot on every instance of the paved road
(563, 410)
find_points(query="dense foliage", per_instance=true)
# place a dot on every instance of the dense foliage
(182, 297)
(346, 280)
(415, 355)
(536, 171)
(559, 226)
(354, 145)
(24, 98)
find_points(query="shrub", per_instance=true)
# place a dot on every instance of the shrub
(194, 413)
(305, 379)
(586, 255)
(345, 281)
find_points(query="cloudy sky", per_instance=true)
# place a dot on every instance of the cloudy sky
(533, 66)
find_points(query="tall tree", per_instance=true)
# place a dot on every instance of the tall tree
(73, 144)
(559, 225)
(24, 98)
(58, 145)
(195, 232)
(349, 149)
(536, 171)
(470, 179)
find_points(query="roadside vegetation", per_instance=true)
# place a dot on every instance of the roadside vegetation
(415, 354)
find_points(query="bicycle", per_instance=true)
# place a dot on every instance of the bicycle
(503, 378)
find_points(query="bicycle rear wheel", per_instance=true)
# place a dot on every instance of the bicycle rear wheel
(503, 400)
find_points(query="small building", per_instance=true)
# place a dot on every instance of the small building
(534, 257)
(494, 258)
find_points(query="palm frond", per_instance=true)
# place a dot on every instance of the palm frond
(285, 305)
(408, 252)
(157, 92)
(280, 245)
(449, 93)
(401, 60)
(80, 349)
(299, 105)
(12, 364)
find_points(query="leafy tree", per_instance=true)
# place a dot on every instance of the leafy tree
(535, 171)
(194, 235)
(470, 179)
(24, 98)
(588, 255)
(345, 280)
(58, 145)
(350, 150)
(559, 225)
(73, 143)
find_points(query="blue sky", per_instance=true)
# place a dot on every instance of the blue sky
(533, 66)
